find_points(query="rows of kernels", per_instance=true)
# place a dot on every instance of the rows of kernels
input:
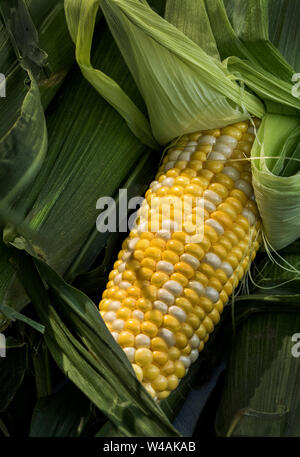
(165, 295)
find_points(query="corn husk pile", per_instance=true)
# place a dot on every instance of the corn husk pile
(95, 92)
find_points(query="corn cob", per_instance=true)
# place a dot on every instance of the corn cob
(166, 294)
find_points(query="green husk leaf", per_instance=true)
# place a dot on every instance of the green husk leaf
(86, 352)
(158, 53)
(276, 178)
(51, 418)
(12, 370)
(190, 16)
(261, 395)
(32, 80)
(249, 53)
(284, 29)
(91, 154)
(81, 17)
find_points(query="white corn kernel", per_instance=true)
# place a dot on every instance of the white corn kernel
(191, 260)
(194, 341)
(174, 287)
(213, 260)
(167, 336)
(207, 139)
(114, 305)
(231, 172)
(165, 296)
(168, 182)
(186, 361)
(213, 155)
(137, 314)
(214, 224)
(212, 294)
(142, 341)
(118, 325)
(130, 353)
(110, 316)
(160, 306)
(230, 140)
(249, 215)
(212, 196)
(244, 186)
(227, 268)
(194, 355)
(178, 313)
(165, 267)
(197, 287)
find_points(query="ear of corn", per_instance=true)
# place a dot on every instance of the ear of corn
(166, 293)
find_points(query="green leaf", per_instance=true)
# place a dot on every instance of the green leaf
(156, 53)
(12, 370)
(81, 17)
(190, 16)
(250, 54)
(62, 414)
(276, 181)
(86, 352)
(261, 395)
(93, 159)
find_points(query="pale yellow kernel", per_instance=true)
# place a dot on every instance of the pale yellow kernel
(208, 324)
(160, 383)
(124, 313)
(193, 320)
(174, 353)
(191, 295)
(151, 372)
(185, 269)
(215, 166)
(175, 246)
(143, 304)
(147, 236)
(138, 255)
(201, 346)
(232, 131)
(219, 306)
(206, 304)
(143, 357)
(219, 250)
(170, 322)
(172, 382)
(150, 292)
(181, 340)
(211, 233)
(148, 263)
(199, 312)
(223, 219)
(138, 372)
(201, 332)
(170, 256)
(184, 303)
(239, 195)
(133, 292)
(206, 269)
(133, 326)
(149, 329)
(160, 358)
(186, 350)
(225, 180)
(158, 344)
(126, 339)
(168, 368)
(215, 283)
(129, 302)
(223, 296)
(201, 277)
(159, 278)
(145, 273)
(214, 315)
(179, 369)
(180, 278)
